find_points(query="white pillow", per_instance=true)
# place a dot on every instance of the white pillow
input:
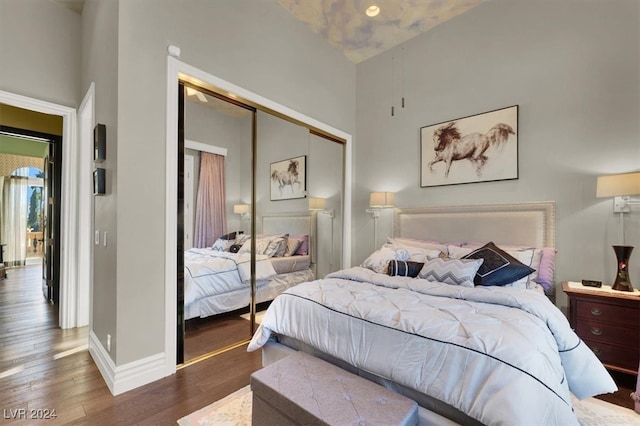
(380, 258)
(292, 245)
(526, 257)
(410, 242)
(456, 252)
(416, 254)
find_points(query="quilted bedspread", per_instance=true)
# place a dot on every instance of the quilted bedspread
(208, 272)
(503, 356)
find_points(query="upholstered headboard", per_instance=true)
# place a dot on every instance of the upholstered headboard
(524, 224)
(292, 223)
(287, 223)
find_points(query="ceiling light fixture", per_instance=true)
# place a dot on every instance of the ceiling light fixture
(197, 93)
(372, 11)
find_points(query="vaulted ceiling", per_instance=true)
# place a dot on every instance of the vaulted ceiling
(346, 26)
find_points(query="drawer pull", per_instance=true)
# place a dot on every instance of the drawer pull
(596, 311)
(596, 351)
(596, 331)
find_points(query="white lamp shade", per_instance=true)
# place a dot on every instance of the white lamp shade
(241, 208)
(381, 199)
(317, 203)
(617, 185)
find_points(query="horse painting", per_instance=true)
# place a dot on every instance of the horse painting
(289, 177)
(450, 145)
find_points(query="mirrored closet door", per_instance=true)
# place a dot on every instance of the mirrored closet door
(261, 212)
(218, 137)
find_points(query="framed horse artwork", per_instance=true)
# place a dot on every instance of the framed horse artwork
(477, 148)
(289, 178)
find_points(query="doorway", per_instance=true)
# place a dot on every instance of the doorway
(30, 212)
(30, 108)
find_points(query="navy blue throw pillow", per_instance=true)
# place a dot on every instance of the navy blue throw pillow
(499, 267)
(404, 268)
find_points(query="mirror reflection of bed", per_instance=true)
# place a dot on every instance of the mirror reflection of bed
(243, 142)
(218, 279)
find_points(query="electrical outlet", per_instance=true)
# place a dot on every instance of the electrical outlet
(108, 343)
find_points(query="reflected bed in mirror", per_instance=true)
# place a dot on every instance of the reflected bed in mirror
(217, 280)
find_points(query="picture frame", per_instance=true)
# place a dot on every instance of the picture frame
(288, 178)
(99, 187)
(476, 148)
(99, 143)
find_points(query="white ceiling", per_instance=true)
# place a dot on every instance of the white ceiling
(344, 24)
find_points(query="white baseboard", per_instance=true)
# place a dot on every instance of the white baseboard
(122, 378)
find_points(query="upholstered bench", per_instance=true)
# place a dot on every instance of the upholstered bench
(304, 390)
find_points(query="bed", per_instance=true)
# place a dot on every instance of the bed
(467, 353)
(218, 278)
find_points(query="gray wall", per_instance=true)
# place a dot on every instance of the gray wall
(100, 65)
(206, 125)
(573, 69)
(40, 51)
(254, 44)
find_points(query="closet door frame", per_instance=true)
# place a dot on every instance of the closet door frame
(177, 71)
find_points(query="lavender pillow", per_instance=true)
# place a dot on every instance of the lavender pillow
(546, 268)
(303, 249)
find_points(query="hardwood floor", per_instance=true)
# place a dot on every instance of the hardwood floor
(45, 368)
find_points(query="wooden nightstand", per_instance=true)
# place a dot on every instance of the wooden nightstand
(608, 322)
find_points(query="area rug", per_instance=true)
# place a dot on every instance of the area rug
(232, 410)
(235, 410)
(259, 316)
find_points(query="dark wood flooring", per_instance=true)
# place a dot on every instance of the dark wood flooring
(45, 368)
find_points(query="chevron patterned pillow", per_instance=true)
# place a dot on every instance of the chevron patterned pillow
(451, 271)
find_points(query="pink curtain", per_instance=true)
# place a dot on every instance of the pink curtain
(211, 217)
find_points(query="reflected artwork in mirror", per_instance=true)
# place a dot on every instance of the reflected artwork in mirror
(289, 178)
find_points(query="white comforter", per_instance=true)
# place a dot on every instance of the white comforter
(503, 356)
(208, 272)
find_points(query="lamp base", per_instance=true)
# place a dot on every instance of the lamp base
(622, 281)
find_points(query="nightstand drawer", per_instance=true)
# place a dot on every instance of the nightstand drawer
(625, 316)
(620, 356)
(609, 333)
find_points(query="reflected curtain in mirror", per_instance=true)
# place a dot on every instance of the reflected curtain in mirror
(211, 217)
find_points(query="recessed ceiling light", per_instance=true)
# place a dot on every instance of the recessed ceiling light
(372, 11)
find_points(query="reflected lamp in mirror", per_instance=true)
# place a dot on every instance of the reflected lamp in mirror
(319, 205)
(316, 204)
(242, 210)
